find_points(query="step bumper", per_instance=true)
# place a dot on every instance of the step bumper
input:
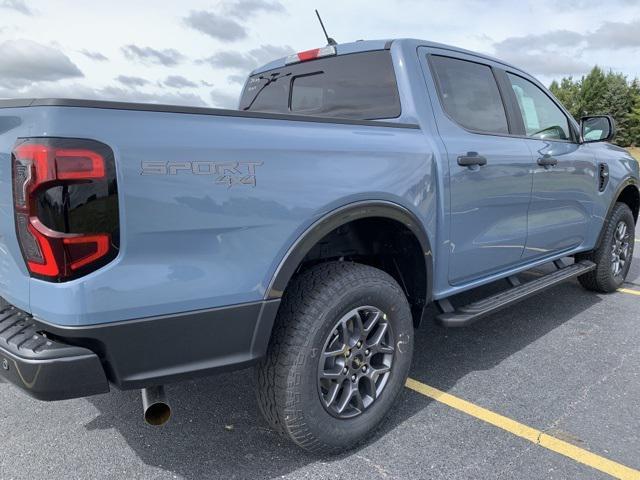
(43, 367)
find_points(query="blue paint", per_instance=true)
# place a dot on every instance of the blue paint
(188, 243)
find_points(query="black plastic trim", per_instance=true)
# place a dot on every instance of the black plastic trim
(169, 348)
(627, 181)
(44, 368)
(468, 314)
(341, 216)
(148, 107)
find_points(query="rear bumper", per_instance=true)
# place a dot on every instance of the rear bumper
(52, 362)
(45, 368)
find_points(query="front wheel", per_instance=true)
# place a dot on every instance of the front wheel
(614, 254)
(338, 357)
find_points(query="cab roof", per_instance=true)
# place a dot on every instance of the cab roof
(385, 44)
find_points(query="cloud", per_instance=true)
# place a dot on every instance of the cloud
(558, 52)
(112, 93)
(129, 81)
(247, 61)
(235, 60)
(240, 79)
(97, 56)
(544, 64)
(147, 55)
(268, 53)
(25, 61)
(615, 35)
(215, 26)
(248, 8)
(178, 81)
(542, 41)
(224, 100)
(17, 5)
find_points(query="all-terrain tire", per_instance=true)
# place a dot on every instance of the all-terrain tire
(288, 389)
(602, 278)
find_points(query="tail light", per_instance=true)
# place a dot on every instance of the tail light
(66, 206)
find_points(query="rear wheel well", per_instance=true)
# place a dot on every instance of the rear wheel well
(381, 243)
(631, 197)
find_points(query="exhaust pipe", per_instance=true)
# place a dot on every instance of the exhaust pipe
(155, 407)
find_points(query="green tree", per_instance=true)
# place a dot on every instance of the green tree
(568, 92)
(600, 93)
(634, 114)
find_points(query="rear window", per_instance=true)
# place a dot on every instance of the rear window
(360, 86)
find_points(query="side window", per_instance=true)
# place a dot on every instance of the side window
(470, 95)
(541, 116)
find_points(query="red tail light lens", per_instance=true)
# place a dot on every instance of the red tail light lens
(65, 199)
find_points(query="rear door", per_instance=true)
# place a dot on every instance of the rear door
(490, 169)
(564, 179)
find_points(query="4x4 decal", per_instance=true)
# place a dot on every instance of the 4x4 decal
(230, 174)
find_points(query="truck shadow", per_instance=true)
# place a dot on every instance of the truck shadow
(217, 431)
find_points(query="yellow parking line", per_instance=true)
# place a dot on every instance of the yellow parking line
(628, 290)
(523, 431)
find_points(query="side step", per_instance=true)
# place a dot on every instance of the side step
(470, 313)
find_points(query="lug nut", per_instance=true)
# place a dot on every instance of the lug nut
(364, 369)
(359, 344)
(353, 378)
(367, 352)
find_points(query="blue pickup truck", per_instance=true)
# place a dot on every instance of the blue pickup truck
(304, 233)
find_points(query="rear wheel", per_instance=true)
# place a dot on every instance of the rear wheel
(338, 357)
(613, 256)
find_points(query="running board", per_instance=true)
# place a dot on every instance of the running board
(463, 316)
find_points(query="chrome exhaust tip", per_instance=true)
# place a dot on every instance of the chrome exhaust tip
(155, 407)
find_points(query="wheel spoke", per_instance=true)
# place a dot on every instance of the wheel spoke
(379, 335)
(372, 321)
(334, 353)
(377, 371)
(371, 386)
(331, 375)
(358, 323)
(345, 398)
(384, 349)
(332, 394)
(357, 398)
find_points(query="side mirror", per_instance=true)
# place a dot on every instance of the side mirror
(597, 128)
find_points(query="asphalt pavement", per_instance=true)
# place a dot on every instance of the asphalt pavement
(566, 362)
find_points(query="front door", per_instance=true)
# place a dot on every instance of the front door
(564, 179)
(490, 170)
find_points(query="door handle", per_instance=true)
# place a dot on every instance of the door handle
(547, 161)
(471, 159)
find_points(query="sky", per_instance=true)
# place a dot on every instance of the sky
(199, 52)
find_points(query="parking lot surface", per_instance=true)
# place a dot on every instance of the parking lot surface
(566, 363)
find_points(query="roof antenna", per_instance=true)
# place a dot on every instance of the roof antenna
(330, 41)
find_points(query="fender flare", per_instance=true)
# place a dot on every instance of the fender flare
(341, 216)
(627, 181)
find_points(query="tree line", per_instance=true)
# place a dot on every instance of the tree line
(604, 93)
